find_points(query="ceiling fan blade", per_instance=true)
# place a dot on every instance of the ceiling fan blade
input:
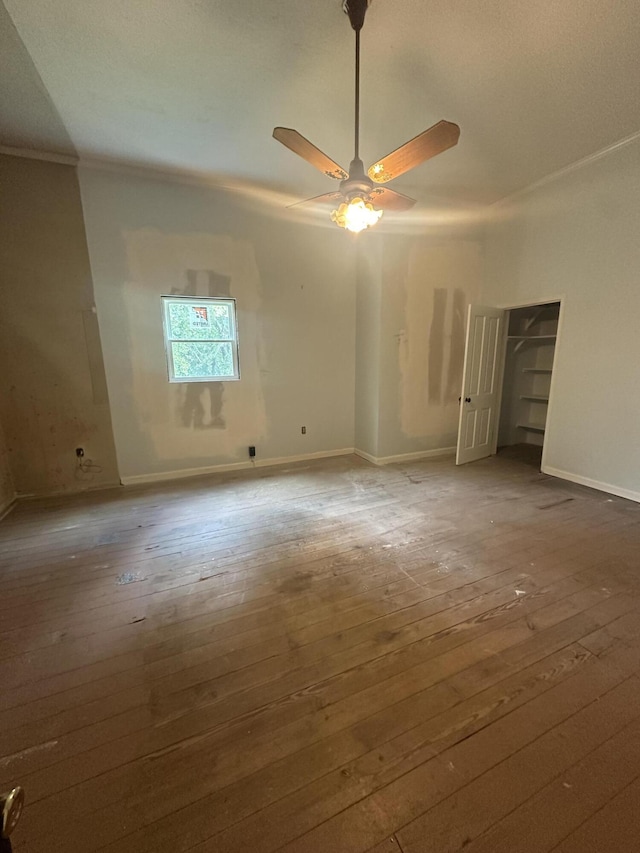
(319, 199)
(387, 199)
(295, 142)
(438, 138)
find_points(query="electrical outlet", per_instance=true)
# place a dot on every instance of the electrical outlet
(252, 451)
(303, 430)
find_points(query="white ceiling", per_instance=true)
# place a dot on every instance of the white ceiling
(199, 85)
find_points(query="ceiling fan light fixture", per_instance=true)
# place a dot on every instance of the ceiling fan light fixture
(356, 215)
(358, 187)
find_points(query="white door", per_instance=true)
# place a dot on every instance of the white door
(480, 384)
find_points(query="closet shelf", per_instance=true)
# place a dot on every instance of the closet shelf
(531, 427)
(536, 370)
(531, 337)
(536, 398)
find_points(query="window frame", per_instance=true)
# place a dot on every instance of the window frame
(166, 301)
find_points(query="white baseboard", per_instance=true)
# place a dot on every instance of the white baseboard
(184, 473)
(364, 455)
(439, 452)
(592, 484)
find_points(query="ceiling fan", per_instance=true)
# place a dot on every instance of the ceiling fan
(363, 199)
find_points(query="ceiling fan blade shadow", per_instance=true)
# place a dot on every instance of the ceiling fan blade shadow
(319, 199)
(387, 199)
(297, 143)
(423, 147)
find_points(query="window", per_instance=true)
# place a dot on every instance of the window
(201, 339)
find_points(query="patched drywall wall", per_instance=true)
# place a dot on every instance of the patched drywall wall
(52, 387)
(368, 307)
(426, 284)
(576, 237)
(440, 279)
(179, 417)
(295, 292)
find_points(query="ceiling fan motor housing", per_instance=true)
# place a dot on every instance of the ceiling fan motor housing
(358, 184)
(356, 10)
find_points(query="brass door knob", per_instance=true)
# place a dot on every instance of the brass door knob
(12, 803)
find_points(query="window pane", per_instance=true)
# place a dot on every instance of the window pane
(202, 360)
(193, 321)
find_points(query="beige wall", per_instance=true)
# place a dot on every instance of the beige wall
(7, 489)
(418, 290)
(294, 286)
(577, 236)
(52, 388)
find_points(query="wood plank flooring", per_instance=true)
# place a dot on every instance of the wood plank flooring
(325, 657)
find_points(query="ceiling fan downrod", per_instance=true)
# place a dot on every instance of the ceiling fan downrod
(357, 181)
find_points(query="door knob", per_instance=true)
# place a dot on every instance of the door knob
(467, 399)
(12, 803)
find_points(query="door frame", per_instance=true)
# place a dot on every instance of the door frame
(503, 358)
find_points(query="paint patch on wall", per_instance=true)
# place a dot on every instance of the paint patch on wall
(440, 280)
(456, 352)
(201, 405)
(190, 423)
(437, 344)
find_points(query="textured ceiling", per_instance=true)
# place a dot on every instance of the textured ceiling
(28, 117)
(199, 85)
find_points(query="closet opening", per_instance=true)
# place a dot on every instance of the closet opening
(530, 345)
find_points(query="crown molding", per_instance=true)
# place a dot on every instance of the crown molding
(32, 154)
(213, 181)
(140, 170)
(567, 170)
(125, 167)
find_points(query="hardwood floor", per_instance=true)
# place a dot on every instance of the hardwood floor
(326, 657)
